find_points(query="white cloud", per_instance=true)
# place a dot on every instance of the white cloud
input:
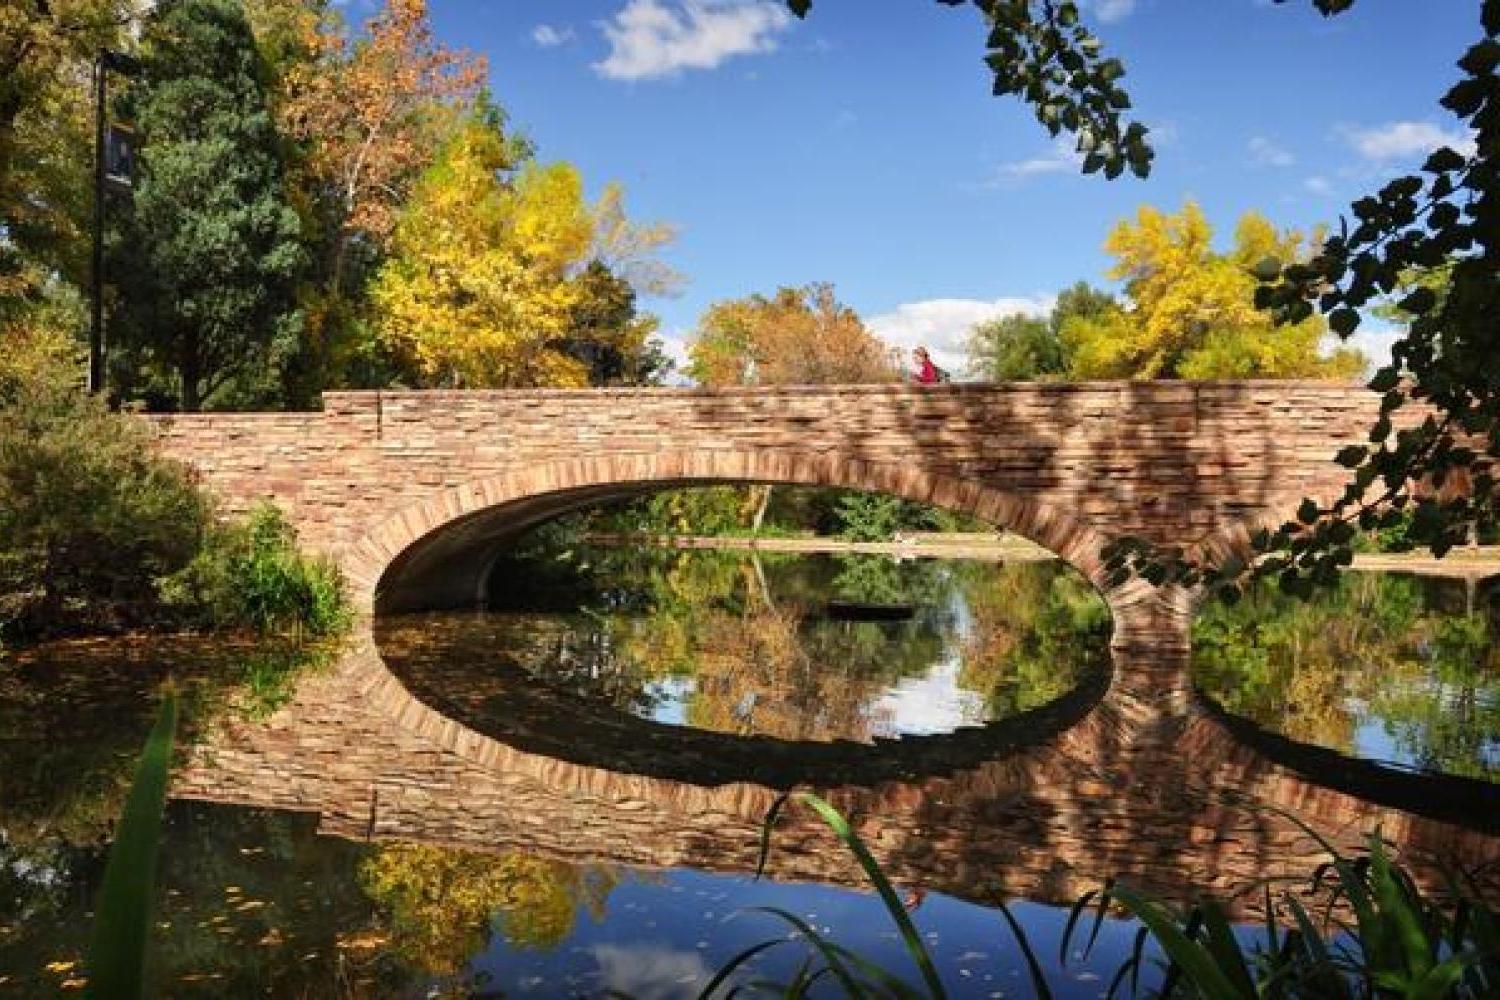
(656, 38)
(548, 37)
(1399, 140)
(943, 325)
(1374, 339)
(1268, 153)
(1061, 160)
(1318, 185)
(650, 972)
(674, 344)
(1109, 11)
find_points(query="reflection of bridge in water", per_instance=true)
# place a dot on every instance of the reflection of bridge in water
(1044, 806)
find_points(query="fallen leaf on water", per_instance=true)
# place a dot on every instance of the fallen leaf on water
(363, 941)
(249, 904)
(60, 966)
(273, 937)
(74, 984)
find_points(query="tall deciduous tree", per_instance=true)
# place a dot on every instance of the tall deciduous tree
(371, 110)
(495, 280)
(799, 335)
(1022, 347)
(1191, 310)
(207, 258)
(47, 49)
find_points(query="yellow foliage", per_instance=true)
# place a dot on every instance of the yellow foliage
(441, 901)
(801, 335)
(1192, 311)
(486, 273)
(478, 284)
(38, 350)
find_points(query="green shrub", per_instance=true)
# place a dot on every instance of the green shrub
(91, 516)
(250, 574)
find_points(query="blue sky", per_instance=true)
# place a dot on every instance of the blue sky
(862, 146)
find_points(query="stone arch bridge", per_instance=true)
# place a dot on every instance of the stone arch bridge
(415, 494)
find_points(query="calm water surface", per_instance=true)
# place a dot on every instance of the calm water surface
(674, 666)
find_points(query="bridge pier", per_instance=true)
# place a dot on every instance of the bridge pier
(1150, 652)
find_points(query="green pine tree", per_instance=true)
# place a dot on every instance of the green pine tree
(207, 257)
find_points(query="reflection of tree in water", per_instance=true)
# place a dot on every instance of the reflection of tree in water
(745, 636)
(1377, 648)
(442, 903)
(749, 631)
(1037, 630)
(743, 639)
(73, 717)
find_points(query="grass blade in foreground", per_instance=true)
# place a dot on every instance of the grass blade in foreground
(122, 917)
(909, 935)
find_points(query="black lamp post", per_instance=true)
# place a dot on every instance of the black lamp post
(114, 162)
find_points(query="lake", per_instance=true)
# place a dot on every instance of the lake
(563, 794)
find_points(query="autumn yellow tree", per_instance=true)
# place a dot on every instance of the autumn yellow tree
(477, 285)
(1190, 310)
(797, 336)
(442, 903)
(497, 275)
(370, 110)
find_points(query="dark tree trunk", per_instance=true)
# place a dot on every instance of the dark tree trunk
(191, 370)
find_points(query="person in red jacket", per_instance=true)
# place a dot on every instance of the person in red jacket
(926, 373)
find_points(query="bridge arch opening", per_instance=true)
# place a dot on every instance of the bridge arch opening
(439, 552)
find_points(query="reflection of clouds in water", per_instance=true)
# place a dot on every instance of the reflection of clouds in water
(668, 700)
(932, 703)
(650, 973)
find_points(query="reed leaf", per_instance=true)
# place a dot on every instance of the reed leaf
(122, 916)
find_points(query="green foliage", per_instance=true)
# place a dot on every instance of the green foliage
(858, 976)
(117, 952)
(1022, 348)
(1377, 650)
(608, 334)
(1036, 634)
(1401, 942)
(869, 517)
(90, 515)
(206, 260)
(250, 574)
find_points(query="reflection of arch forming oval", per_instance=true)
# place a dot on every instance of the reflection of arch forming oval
(459, 684)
